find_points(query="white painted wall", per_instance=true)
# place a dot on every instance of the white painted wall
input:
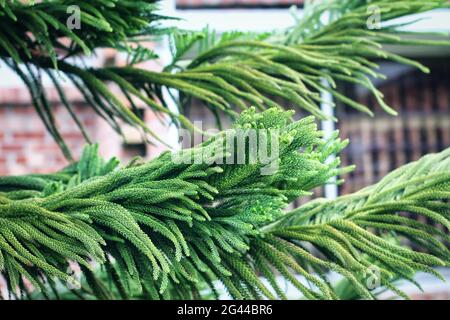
(269, 19)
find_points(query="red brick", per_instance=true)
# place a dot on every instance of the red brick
(22, 158)
(29, 135)
(11, 147)
(22, 110)
(27, 147)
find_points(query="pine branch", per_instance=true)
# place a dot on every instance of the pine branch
(293, 65)
(354, 233)
(229, 72)
(176, 226)
(37, 36)
(40, 28)
(170, 229)
(167, 221)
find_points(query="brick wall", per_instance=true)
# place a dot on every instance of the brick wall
(27, 147)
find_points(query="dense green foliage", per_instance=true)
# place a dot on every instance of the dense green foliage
(188, 223)
(166, 229)
(36, 36)
(165, 213)
(228, 73)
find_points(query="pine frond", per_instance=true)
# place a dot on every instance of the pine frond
(174, 226)
(293, 65)
(355, 233)
(228, 73)
(181, 216)
(37, 36)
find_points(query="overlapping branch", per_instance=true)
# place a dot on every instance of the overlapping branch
(227, 73)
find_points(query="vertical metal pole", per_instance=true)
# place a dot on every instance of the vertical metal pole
(328, 126)
(168, 9)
